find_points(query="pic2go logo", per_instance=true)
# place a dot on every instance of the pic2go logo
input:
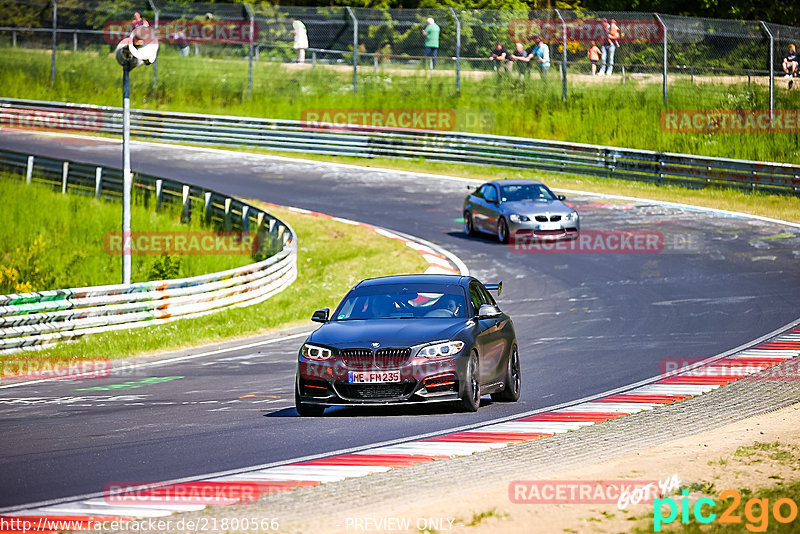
(756, 511)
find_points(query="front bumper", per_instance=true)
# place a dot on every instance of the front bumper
(563, 229)
(421, 381)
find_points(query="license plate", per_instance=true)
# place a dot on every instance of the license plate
(550, 226)
(373, 376)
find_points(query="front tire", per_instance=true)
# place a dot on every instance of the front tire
(306, 410)
(502, 230)
(469, 228)
(512, 379)
(470, 386)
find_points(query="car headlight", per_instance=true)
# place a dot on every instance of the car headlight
(571, 216)
(442, 350)
(313, 352)
(519, 218)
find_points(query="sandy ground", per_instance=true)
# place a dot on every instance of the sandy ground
(698, 461)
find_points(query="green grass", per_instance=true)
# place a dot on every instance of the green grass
(57, 241)
(332, 257)
(608, 113)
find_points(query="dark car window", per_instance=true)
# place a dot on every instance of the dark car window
(489, 193)
(513, 193)
(478, 295)
(402, 301)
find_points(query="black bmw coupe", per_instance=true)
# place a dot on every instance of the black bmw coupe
(409, 339)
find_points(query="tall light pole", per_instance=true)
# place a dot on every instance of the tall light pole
(141, 47)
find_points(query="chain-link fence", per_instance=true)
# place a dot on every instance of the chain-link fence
(579, 47)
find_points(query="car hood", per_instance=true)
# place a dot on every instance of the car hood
(533, 207)
(387, 332)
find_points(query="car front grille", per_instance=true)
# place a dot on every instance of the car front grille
(382, 359)
(543, 218)
(391, 390)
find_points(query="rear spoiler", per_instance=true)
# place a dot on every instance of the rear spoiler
(495, 287)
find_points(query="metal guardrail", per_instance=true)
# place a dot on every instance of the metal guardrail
(42, 318)
(370, 142)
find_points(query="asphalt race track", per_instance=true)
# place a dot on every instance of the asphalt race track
(586, 323)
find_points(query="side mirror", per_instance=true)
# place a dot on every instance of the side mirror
(487, 311)
(561, 197)
(321, 316)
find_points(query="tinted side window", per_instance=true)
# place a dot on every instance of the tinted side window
(475, 297)
(486, 296)
(490, 193)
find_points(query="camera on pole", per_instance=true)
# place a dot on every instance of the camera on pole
(141, 47)
(138, 48)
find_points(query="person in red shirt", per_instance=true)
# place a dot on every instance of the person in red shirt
(594, 56)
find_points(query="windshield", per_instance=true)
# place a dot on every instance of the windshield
(513, 193)
(403, 301)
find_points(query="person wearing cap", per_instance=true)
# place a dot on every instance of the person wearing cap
(540, 54)
(431, 34)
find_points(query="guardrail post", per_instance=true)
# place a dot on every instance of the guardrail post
(159, 194)
(55, 43)
(314, 59)
(771, 69)
(29, 170)
(664, 71)
(207, 206)
(228, 214)
(64, 174)
(13, 39)
(186, 212)
(375, 63)
(563, 58)
(98, 182)
(75, 42)
(250, 15)
(245, 219)
(623, 74)
(260, 219)
(355, 48)
(155, 23)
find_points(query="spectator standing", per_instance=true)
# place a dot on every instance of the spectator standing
(790, 62)
(300, 39)
(500, 60)
(182, 43)
(136, 23)
(540, 53)
(431, 34)
(604, 46)
(594, 55)
(520, 57)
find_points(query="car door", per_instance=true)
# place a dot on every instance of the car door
(477, 206)
(489, 339)
(492, 208)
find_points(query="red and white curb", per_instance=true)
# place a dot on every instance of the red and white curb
(440, 261)
(665, 389)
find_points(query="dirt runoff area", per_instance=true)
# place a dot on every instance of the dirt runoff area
(754, 453)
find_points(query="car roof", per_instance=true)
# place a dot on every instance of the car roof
(442, 279)
(516, 182)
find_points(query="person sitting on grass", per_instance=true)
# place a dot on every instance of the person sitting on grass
(790, 62)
